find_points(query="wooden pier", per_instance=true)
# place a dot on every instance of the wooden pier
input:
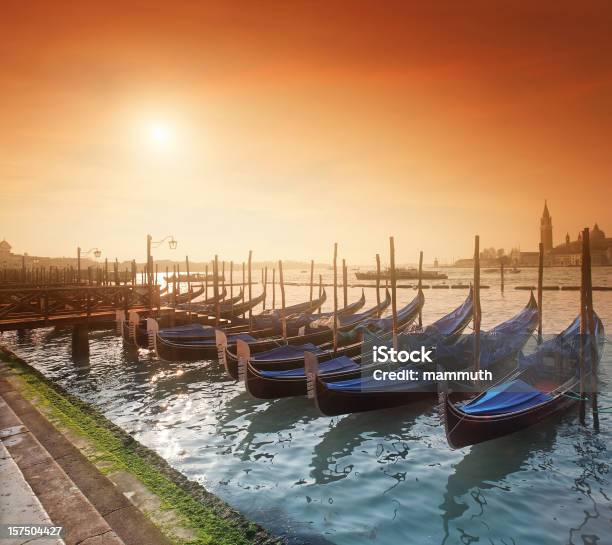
(35, 307)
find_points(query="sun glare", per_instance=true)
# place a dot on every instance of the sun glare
(160, 135)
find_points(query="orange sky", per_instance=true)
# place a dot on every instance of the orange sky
(290, 125)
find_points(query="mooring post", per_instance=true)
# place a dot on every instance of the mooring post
(378, 284)
(80, 343)
(232, 287)
(188, 288)
(222, 275)
(590, 315)
(344, 283)
(320, 285)
(265, 284)
(335, 332)
(282, 288)
(583, 324)
(540, 283)
(501, 270)
(206, 281)
(393, 290)
(477, 308)
(243, 288)
(311, 279)
(216, 290)
(174, 285)
(420, 287)
(273, 288)
(250, 291)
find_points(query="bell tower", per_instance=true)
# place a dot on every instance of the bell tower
(546, 234)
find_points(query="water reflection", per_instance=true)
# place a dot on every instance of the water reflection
(347, 433)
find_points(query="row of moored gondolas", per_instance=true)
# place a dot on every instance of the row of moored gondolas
(339, 376)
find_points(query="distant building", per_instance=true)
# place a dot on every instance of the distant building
(546, 230)
(567, 254)
(6, 257)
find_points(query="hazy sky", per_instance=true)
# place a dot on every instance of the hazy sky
(285, 126)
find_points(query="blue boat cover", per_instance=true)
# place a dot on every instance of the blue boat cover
(368, 383)
(450, 323)
(286, 351)
(386, 324)
(231, 339)
(342, 363)
(497, 344)
(509, 397)
(188, 330)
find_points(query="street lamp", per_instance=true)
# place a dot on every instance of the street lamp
(172, 244)
(96, 252)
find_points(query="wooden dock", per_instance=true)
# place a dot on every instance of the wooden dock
(35, 307)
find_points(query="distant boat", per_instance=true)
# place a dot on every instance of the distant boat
(513, 270)
(194, 277)
(401, 273)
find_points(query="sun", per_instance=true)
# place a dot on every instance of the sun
(160, 135)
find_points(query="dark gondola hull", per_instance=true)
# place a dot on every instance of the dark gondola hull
(463, 430)
(334, 402)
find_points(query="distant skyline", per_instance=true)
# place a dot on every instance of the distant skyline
(284, 127)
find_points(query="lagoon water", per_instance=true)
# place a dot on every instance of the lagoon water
(385, 477)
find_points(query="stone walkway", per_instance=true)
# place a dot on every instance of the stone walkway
(46, 478)
(18, 503)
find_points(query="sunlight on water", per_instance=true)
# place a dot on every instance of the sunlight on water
(383, 477)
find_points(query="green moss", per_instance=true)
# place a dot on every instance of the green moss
(114, 452)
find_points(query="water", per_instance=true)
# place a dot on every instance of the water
(383, 477)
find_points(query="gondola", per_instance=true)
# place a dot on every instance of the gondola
(364, 393)
(307, 317)
(287, 357)
(306, 323)
(230, 310)
(544, 383)
(201, 345)
(185, 332)
(272, 317)
(207, 306)
(266, 381)
(312, 337)
(182, 297)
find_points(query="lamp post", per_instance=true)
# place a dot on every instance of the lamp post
(172, 244)
(96, 252)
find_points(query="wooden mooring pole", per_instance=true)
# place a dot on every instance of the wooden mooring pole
(344, 284)
(590, 315)
(335, 330)
(282, 288)
(378, 284)
(232, 284)
(311, 278)
(393, 289)
(206, 281)
(243, 288)
(216, 290)
(250, 292)
(420, 286)
(477, 307)
(188, 288)
(540, 284)
(501, 270)
(273, 288)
